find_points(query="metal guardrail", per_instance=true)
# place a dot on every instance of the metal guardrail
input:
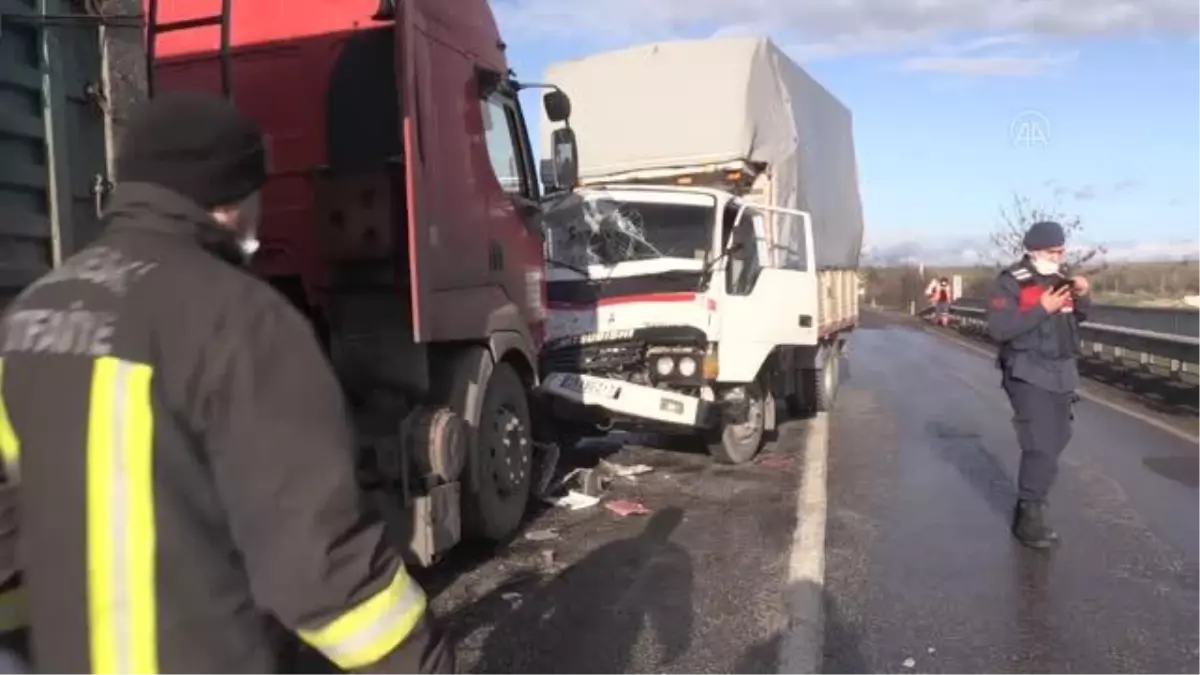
(1183, 321)
(1181, 353)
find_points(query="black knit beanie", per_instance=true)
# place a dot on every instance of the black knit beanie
(196, 144)
(1044, 234)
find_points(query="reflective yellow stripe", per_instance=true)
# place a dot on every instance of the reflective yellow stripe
(10, 446)
(375, 627)
(13, 610)
(120, 511)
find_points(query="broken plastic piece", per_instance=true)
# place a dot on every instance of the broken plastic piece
(624, 470)
(575, 500)
(624, 507)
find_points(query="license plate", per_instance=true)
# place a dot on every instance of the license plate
(602, 388)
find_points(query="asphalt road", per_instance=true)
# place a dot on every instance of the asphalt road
(696, 585)
(918, 561)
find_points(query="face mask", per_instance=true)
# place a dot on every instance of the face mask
(1045, 267)
(248, 245)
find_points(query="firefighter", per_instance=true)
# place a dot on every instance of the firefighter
(185, 456)
(14, 620)
(1034, 313)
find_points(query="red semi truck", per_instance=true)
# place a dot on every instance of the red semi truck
(403, 215)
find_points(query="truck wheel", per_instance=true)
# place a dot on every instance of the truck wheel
(796, 403)
(741, 435)
(504, 455)
(820, 385)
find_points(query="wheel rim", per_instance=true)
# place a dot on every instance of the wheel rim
(508, 453)
(748, 428)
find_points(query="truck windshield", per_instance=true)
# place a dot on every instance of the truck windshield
(605, 231)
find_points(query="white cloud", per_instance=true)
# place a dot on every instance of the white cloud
(1086, 193)
(867, 24)
(929, 34)
(1003, 40)
(1017, 66)
(913, 248)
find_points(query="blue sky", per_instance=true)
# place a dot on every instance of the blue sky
(937, 88)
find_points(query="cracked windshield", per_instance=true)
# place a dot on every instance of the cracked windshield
(599, 336)
(604, 231)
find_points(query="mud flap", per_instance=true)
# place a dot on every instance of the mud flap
(434, 525)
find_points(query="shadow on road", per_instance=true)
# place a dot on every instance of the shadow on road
(588, 618)
(963, 450)
(841, 643)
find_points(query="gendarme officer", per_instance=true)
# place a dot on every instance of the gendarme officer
(1034, 311)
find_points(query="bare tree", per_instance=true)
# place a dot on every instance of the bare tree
(1015, 219)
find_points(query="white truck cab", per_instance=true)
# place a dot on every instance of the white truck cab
(671, 309)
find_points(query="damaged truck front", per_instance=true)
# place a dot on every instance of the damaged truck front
(707, 267)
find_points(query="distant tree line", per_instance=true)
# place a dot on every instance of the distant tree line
(898, 286)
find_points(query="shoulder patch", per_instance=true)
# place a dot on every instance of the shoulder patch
(1021, 274)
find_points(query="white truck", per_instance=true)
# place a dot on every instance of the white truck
(706, 265)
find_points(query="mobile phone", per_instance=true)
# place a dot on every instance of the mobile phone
(1061, 283)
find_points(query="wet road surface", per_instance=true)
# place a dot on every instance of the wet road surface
(919, 561)
(697, 585)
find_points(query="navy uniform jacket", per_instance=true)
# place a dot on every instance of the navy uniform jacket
(1035, 346)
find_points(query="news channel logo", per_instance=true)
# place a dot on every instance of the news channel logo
(1029, 129)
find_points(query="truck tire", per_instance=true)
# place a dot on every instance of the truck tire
(737, 442)
(820, 385)
(504, 460)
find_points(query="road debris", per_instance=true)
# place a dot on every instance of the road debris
(575, 500)
(624, 470)
(910, 662)
(582, 488)
(776, 461)
(513, 599)
(542, 535)
(578, 489)
(625, 507)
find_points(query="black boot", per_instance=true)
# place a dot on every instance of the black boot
(1029, 525)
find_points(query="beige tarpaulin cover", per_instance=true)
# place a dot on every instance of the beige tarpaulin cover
(686, 104)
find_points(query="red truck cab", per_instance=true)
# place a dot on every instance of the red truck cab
(403, 214)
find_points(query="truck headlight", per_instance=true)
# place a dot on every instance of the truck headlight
(664, 365)
(687, 366)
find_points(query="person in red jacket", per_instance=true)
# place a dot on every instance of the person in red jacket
(941, 297)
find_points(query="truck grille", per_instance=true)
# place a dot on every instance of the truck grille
(603, 357)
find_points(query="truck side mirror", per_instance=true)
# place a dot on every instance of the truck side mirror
(549, 180)
(563, 156)
(557, 105)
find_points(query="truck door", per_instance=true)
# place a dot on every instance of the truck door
(770, 288)
(515, 246)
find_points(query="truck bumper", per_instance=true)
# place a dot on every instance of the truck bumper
(625, 399)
